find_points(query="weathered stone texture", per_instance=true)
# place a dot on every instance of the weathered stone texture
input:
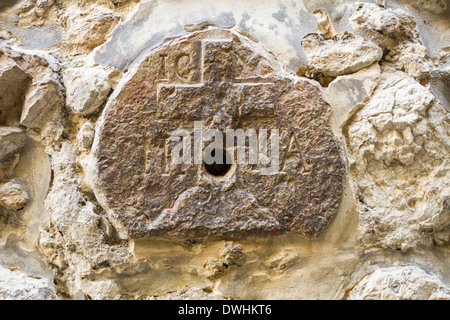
(13, 83)
(396, 32)
(235, 87)
(339, 54)
(400, 283)
(387, 27)
(400, 160)
(88, 88)
(17, 285)
(88, 30)
(441, 78)
(40, 96)
(13, 196)
(347, 94)
(90, 207)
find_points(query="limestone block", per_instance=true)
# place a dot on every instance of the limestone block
(412, 57)
(17, 285)
(400, 283)
(37, 12)
(87, 235)
(85, 136)
(13, 196)
(45, 92)
(324, 24)
(399, 155)
(385, 26)
(278, 24)
(232, 256)
(101, 289)
(39, 100)
(89, 30)
(341, 54)
(88, 88)
(348, 93)
(12, 141)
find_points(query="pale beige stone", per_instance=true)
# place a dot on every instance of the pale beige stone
(38, 12)
(17, 285)
(85, 136)
(188, 293)
(392, 130)
(88, 88)
(346, 94)
(386, 26)
(13, 196)
(399, 155)
(88, 30)
(283, 260)
(324, 24)
(39, 101)
(12, 141)
(400, 283)
(341, 54)
(102, 289)
(44, 95)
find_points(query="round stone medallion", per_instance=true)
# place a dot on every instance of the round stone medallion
(216, 79)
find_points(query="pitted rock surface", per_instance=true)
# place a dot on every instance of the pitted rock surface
(227, 81)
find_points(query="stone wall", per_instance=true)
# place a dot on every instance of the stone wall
(360, 208)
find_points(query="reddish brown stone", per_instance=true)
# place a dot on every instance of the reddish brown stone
(225, 80)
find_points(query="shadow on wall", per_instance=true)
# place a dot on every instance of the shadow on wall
(6, 4)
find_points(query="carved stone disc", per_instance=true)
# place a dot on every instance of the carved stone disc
(226, 80)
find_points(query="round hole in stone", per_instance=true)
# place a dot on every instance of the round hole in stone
(219, 169)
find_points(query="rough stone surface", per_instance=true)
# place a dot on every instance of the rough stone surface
(434, 6)
(17, 285)
(324, 24)
(13, 84)
(88, 88)
(340, 54)
(13, 196)
(387, 27)
(73, 212)
(37, 12)
(38, 101)
(387, 114)
(348, 93)
(280, 23)
(187, 293)
(283, 260)
(85, 136)
(400, 283)
(12, 141)
(89, 29)
(441, 78)
(396, 32)
(399, 154)
(45, 93)
(231, 256)
(240, 90)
